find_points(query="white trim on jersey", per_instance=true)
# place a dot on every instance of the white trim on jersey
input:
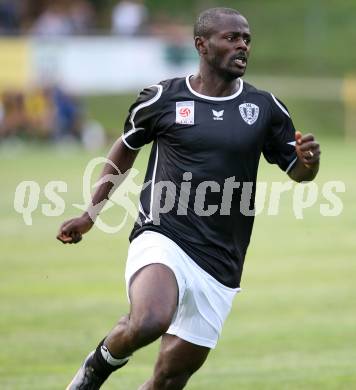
(135, 111)
(150, 218)
(280, 105)
(140, 209)
(290, 166)
(212, 97)
(133, 131)
(129, 146)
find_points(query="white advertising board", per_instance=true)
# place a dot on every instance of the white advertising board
(104, 64)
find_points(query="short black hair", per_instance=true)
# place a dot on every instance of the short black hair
(205, 20)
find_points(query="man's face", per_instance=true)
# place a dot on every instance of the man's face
(228, 46)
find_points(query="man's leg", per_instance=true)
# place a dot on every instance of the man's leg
(154, 297)
(177, 361)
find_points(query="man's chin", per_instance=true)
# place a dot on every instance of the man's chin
(240, 72)
(236, 73)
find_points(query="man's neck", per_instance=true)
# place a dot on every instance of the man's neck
(213, 85)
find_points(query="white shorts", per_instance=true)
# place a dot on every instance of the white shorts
(203, 303)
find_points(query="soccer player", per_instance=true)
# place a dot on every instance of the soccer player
(188, 245)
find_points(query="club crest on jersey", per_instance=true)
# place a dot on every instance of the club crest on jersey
(218, 115)
(185, 113)
(249, 112)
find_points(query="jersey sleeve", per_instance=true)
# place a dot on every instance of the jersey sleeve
(279, 146)
(139, 128)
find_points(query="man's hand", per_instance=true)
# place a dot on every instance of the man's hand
(71, 231)
(308, 150)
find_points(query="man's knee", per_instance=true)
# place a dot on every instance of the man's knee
(149, 327)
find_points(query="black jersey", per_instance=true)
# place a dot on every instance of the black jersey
(201, 146)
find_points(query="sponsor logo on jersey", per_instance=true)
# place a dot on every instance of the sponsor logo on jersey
(218, 115)
(185, 113)
(249, 112)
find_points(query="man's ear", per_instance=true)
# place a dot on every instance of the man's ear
(201, 45)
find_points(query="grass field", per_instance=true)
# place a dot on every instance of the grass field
(292, 327)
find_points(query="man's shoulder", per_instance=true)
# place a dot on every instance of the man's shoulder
(164, 87)
(252, 90)
(173, 84)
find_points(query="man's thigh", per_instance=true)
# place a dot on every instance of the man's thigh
(153, 293)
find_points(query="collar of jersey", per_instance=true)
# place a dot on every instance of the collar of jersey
(219, 99)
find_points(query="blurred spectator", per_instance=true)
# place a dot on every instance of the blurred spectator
(48, 114)
(129, 17)
(81, 14)
(40, 111)
(67, 121)
(64, 18)
(55, 20)
(9, 16)
(14, 121)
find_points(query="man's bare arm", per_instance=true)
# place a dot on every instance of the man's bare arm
(123, 158)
